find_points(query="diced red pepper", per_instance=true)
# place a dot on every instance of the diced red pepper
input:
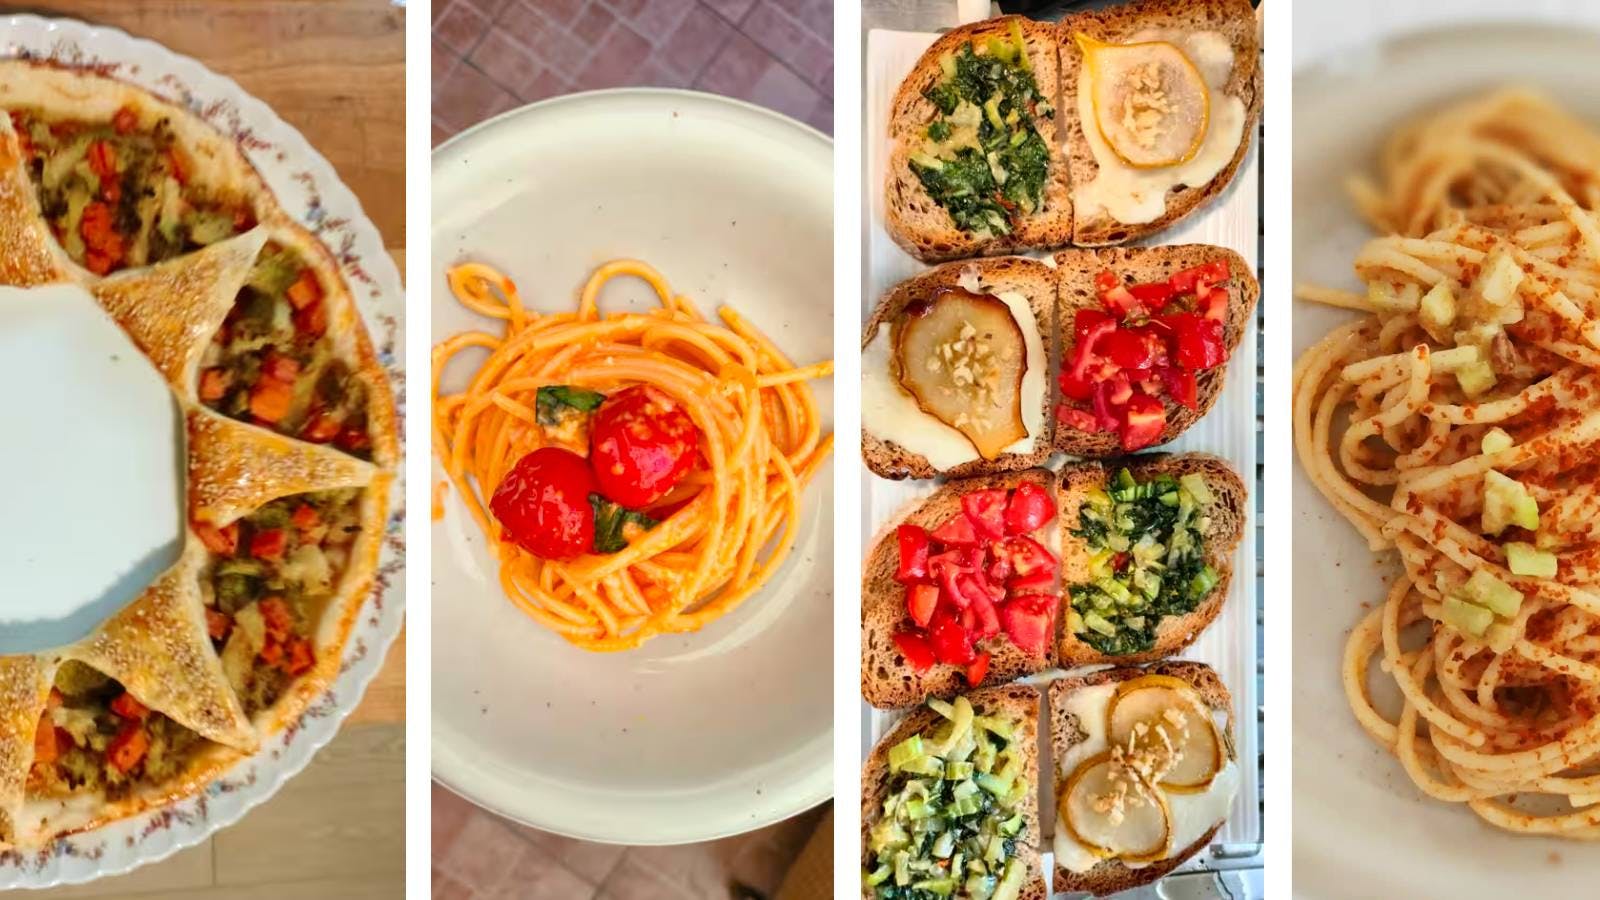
(951, 643)
(270, 400)
(913, 541)
(218, 624)
(280, 366)
(128, 748)
(321, 428)
(223, 540)
(301, 658)
(306, 289)
(1029, 508)
(1146, 417)
(45, 748)
(279, 621)
(978, 668)
(921, 601)
(214, 384)
(957, 531)
(1027, 621)
(125, 120)
(128, 707)
(269, 543)
(914, 647)
(987, 510)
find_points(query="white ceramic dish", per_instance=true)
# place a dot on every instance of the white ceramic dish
(1361, 829)
(690, 737)
(1228, 430)
(306, 187)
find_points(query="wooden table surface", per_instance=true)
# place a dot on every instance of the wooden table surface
(335, 70)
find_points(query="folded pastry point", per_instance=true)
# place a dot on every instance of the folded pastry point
(29, 254)
(24, 687)
(171, 309)
(160, 651)
(235, 468)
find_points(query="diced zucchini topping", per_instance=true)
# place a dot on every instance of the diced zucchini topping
(1147, 560)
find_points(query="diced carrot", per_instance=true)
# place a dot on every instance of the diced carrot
(214, 384)
(272, 652)
(279, 620)
(218, 624)
(280, 366)
(180, 171)
(270, 400)
(218, 540)
(306, 289)
(125, 121)
(100, 237)
(103, 163)
(128, 707)
(301, 658)
(45, 748)
(320, 428)
(311, 321)
(269, 543)
(128, 748)
(305, 517)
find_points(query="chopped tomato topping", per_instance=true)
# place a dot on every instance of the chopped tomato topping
(321, 428)
(306, 289)
(272, 652)
(104, 245)
(978, 668)
(125, 121)
(1081, 419)
(305, 517)
(1146, 417)
(921, 600)
(270, 400)
(269, 543)
(45, 748)
(913, 541)
(987, 510)
(914, 647)
(950, 641)
(128, 707)
(223, 540)
(1027, 621)
(301, 659)
(1029, 508)
(353, 439)
(311, 321)
(218, 624)
(180, 170)
(957, 531)
(128, 748)
(279, 621)
(214, 384)
(1201, 278)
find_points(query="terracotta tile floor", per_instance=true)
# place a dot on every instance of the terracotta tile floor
(480, 856)
(493, 55)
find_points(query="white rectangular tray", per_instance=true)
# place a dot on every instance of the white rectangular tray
(1228, 430)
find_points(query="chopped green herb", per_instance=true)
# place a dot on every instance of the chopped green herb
(611, 523)
(554, 400)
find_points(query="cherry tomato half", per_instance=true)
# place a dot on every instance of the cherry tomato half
(543, 504)
(642, 443)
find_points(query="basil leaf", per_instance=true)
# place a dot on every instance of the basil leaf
(554, 400)
(611, 522)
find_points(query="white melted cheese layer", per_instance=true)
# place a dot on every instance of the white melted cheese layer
(1192, 814)
(889, 413)
(1135, 196)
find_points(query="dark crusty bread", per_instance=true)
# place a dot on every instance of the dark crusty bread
(1227, 512)
(922, 226)
(1017, 700)
(1232, 18)
(1028, 277)
(1077, 269)
(887, 680)
(1110, 876)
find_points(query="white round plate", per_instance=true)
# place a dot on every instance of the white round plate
(1361, 829)
(689, 737)
(306, 187)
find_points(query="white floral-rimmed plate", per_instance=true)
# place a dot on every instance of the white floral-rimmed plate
(307, 187)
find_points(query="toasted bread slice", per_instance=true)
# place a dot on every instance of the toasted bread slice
(887, 680)
(1110, 876)
(1077, 269)
(1235, 20)
(1030, 278)
(922, 226)
(1018, 700)
(1227, 512)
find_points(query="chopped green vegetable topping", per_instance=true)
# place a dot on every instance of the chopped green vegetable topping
(554, 400)
(612, 523)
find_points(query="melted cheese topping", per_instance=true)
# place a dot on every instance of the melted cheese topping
(890, 413)
(1136, 196)
(1192, 814)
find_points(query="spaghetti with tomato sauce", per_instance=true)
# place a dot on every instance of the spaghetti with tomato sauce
(637, 474)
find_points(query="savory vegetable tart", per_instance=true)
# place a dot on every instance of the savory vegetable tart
(292, 444)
